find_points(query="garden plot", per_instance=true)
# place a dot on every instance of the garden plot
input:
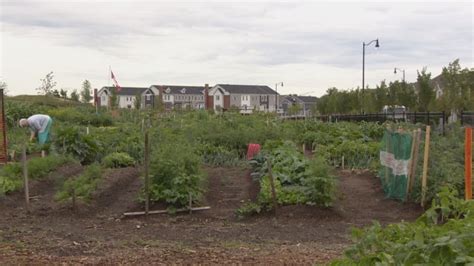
(300, 233)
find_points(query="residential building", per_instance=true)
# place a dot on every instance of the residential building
(126, 96)
(306, 105)
(181, 97)
(245, 98)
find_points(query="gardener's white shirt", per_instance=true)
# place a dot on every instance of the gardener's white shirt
(38, 123)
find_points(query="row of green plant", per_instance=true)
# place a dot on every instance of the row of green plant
(441, 236)
(297, 180)
(81, 186)
(11, 175)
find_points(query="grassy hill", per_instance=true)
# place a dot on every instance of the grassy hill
(44, 100)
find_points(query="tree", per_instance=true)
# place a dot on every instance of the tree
(113, 98)
(426, 94)
(294, 109)
(137, 103)
(86, 91)
(456, 88)
(55, 93)
(63, 93)
(47, 84)
(4, 87)
(75, 95)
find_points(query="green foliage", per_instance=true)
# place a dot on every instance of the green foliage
(86, 96)
(82, 186)
(175, 174)
(441, 236)
(297, 180)
(218, 155)
(118, 160)
(247, 209)
(11, 175)
(83, 147)
(81, 116)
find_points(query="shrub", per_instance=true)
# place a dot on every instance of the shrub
(175, 174)
(83, 147)
(118, 160)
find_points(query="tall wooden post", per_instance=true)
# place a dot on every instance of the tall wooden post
(468, 163)
(414, 161)
(425, 166)
(25, 177)
(147, 178)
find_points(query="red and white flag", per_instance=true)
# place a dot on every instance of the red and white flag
(115, 81)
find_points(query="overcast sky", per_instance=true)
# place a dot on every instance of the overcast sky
(310, 46)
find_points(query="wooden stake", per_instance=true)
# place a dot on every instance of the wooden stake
(410, 167)
(190, 204)
(73, 192)
(272, 184)
(43, 153)
(425, 166)
(468, 163)
(147, 181)
(25, 176)
(342, 162)
(414, 161)
(87, 130)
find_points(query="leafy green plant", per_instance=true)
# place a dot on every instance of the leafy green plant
(118, 160)
(175, 174)
(296, 179)
(11, 175)
(441, 236)
(82, 186)
(83, 147)
(247, 209)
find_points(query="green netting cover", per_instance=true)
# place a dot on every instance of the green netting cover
(395, 159)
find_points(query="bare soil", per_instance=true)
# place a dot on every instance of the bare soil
(97, 233)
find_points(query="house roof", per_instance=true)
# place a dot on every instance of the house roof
(128, 90)
(247, 89)
(176, 89)
(302, 99)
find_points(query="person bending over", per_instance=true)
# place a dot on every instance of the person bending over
(40, 126)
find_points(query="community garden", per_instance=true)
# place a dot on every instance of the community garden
(128, 186)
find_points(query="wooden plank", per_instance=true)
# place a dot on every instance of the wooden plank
(166, 211)
(468, 163)
(425, 166)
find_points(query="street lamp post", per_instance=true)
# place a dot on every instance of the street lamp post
(399, 69)
(363, 58)
(276, 96)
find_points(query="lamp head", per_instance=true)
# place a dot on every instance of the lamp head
(377, 43)
(395, 71)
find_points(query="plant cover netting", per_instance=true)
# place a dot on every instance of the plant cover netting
(395, 153)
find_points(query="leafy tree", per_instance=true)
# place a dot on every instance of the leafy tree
(47, 84)
(113, 98)
(75, 95)
(294, 109)
(55, 93)
(426, 93)
(63, 93)
(137, 103)
(456, 88)
(86, 96)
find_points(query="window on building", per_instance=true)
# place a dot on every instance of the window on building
(148, 97)
(218, 97)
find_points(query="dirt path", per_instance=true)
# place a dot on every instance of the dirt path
(300, 234)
